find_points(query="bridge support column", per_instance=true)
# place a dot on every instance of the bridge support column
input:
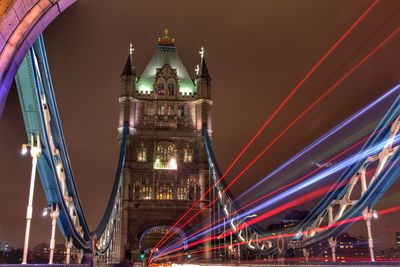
(306, 254)
(54, 216)
(206, 214)
(68, 246)
(80, 256)
(35, 153)
(368, 214)
(332, 243)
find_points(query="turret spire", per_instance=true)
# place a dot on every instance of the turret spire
(129, 69)
(202, 71)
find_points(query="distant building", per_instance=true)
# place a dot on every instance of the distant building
(41, 254)
(398, 240)
(292, 219)
(389, 254)
(348, 248)
(3, 247)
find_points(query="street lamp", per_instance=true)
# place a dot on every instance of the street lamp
(369, 214)
(35, 151)
(53, 212)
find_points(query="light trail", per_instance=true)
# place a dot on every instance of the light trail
(319, 62)
(300, 200)
(331, 132)
(320, 176)
(354, 219)
(276, 190)
(301, 115)
(323, 138)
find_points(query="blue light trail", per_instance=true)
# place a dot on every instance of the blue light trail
(316, 178)
(321, 139)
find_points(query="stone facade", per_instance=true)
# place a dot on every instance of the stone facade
(166, 168)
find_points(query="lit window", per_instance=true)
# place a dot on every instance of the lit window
(160, 89)
(165, 156)
(164, 192)
(171, 89)
(161, 109)
(170, 109)
(181, 110)
(187, 155)
(182, 193)
(146, 192)
(149, 109)
(142, 155)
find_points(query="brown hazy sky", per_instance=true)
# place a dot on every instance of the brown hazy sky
(256, 52)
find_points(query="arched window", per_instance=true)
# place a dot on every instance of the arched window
(146, 192)
(165, 156)
(164, 192)
(171, 87)
(187, 154)
(161, 86)
(142, 154)
(182, 192)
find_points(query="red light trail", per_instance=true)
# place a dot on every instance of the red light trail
(358, 218)
(312, 70)
(279, 189)
(298, 201)
(301, 115)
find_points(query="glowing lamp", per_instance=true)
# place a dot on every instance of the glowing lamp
(375, 214)
(24, 149)
(173, 163)
(45, 212)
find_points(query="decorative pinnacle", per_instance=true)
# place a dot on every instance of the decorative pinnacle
(201, 52)
(131, 49)
(197, 69)
(166, 39)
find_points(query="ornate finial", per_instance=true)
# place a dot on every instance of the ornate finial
(197, 69)
(131, 49)
(166, 39)
(201, 52)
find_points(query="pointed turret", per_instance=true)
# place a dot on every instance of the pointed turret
(203, 85)
(203, 72)
(128, 88)
(203, 78)
(129, 69)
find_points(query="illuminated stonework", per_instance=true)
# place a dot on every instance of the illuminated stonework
(166, 169)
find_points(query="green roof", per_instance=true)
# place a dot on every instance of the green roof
(165, 55)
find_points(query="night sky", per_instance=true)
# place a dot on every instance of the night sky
(256, 51)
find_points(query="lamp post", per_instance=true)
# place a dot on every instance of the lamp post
(35, 151)
(68, 246)
(53, 212)
(369, 214)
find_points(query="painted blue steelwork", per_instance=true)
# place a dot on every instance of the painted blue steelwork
(41, 118)
(352, 118)
(30, 89)
(374, 193)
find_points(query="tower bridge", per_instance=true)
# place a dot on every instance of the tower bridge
(166, 167)
(169, 200)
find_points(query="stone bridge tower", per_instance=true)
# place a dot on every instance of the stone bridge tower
(166, 168)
